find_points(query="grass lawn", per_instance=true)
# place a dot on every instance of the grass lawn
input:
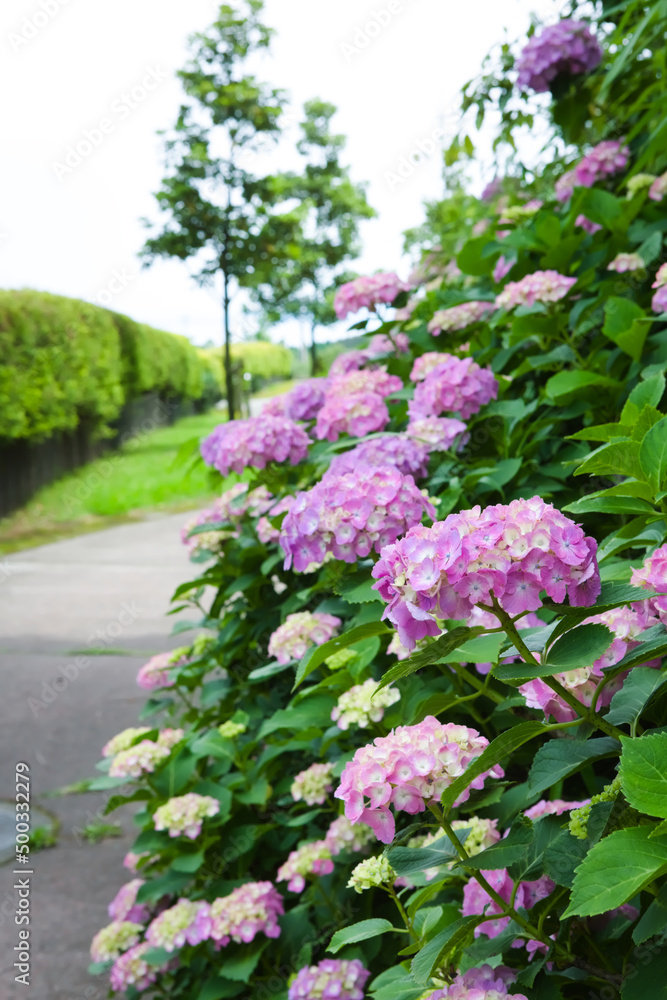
(123, 486)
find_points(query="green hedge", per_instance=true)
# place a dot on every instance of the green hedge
(65, 362)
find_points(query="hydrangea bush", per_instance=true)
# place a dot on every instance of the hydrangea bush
(374, 770)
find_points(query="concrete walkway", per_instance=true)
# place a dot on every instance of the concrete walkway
(109, 589)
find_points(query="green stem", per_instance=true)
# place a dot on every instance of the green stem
(587, 714)
(401, 909)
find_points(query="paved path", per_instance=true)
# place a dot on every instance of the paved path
(112, 589)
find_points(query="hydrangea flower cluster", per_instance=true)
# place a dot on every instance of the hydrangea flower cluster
(357, 414)
(439, 433)
(249, 909)
(540, 286)
(313, 785)
(300, 403)
(123, 740)
(458, 385)
(410, 457)
(459, 317)
(408, 769)
(187, 922)
(515, 550)
(623, 262)
(228, 509)
(114, 939)
(156, 673)
(583, 222)
(566, 47)
(343, 835)
(554, 807)
(483, 983)
(132, 969)
(604, 160)
(659, 300)
(142, 758)
(519, 213)
(347, 361)
(299, 632)
(502, 268)
(350, 515)
(371, 874)
(124, 905)
(265, 530)
(477, 901)
(401, 652)
(375, 380)
(230, 730)
(131, 860)
(331, 979)
(565, 185)
(658, 188)
(367, 292)
(310, 859)
(236, 445)
(361, 705)
(626, 625)
(426, 363)
(382, 344)
(184, 814)
(653, 576)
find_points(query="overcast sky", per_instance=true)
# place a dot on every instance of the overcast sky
(393, 68)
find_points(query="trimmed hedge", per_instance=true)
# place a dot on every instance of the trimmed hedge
(66, 362)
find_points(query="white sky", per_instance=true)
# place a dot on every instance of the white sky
(79, 235)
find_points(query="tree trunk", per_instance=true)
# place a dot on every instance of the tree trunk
(229, 380)
(314, 363)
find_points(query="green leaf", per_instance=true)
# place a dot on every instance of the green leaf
(361, 931)
(483, 649)
(318, 654)
(602, 432)
(157, 956)
(597, 205)
(565, 853)
(298, 717)
(643, 773)
(615, 870)
(188, 862)
(627, 325)
(471, 259)
(649, 392)
(564, 385)
(646, 978)
(654, 919)
(409, 860)
(358, 589)
(609, 505)
(240, 967)
(172, 883)
(559, 758)
(219, 989)
(436, 650)
(620, 458)
(652, 645)
(503, 854)
(580, 647)
(497, 750)
(456, 935)
(638, 688)
(653, 455)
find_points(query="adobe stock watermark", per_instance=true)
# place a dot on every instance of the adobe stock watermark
(98, 640)
(35, 22)
(407, 165)
(121, 109)
(368, 30)
(118, 282)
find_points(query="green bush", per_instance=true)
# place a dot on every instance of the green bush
(66, 362)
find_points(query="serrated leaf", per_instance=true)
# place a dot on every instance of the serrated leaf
(620, 458)
(579, 647)
(497, 750)
(638, 688)
(361, 931)
(432, 954)
(654, 919)
(559, 758)
(643, 772)
(653, 455)
(358, 589)
(615, 870)
(627, 325)
(436, 650)
(408, 860)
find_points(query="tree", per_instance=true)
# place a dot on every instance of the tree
(332, 207)
(218, 214)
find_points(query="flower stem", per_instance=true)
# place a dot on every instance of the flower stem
(401, 909)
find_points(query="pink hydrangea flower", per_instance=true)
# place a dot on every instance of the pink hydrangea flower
(439, 433)
(659, 300)
(567, 47)
(483, 983)
(583, 222)
(410, 457)
(367, 292)
(476, 900)
(124, 905)
(653, 576)
(343, 835)
(142, 758)
(131, 860)
(540, 286)
(626, 625)
(502, 268)
(348, 361)
(425, 364)
(459, 317)
(331, 979)
(305, 400)
(156, 673)
(248, 910)
(184, 814)
(265, 530)
(658, 188)
(117, 937)
(623, 262)
(604, 160)
(458, 385)
(516, 550)
(554, 807)
(565, 185)
(123, 740)
(375, 380)
(132, 969)
(313, 785)
(408, 769)
(350, 515)
(357, 414)
(310, 859)
(660, 277)
(187, 922)
(299, 632)
(256, 441)
(382, 344)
